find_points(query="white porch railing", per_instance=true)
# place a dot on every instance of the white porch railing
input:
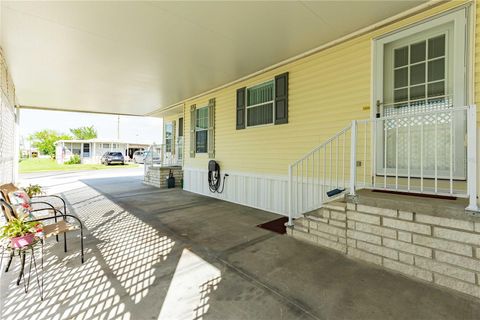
(430, 152)
(162, 155)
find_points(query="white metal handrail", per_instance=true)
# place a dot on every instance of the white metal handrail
(323, 168)
(422, 152)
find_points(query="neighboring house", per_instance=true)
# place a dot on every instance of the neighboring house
(90, 151)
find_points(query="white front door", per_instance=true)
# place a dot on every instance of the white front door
(420, 70)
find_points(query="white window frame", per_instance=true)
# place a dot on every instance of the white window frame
(259, 104)
(201, 129)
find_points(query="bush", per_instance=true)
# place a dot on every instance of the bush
(75, 159)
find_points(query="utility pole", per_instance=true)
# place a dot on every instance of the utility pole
(118, 127)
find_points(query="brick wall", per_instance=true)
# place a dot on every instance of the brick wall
(7, 124)
(441, 250)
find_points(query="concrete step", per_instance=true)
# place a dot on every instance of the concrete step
(336, 205)
(320, 215)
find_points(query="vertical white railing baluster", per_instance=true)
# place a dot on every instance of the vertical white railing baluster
(308, 184)
(298, 190)
(374, 154)
(330, 180)
(452, 117)
(290, 204)
(409, 145)
(385, 154)
(421, 153)
(314, 197)
(396, 154)
(472, 158)
(343, 160)
(303, 186)
(365, 156)
(353, 161)
(336, 162)
(324, 183)
(435, 135)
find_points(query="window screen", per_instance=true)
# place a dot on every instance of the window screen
(260, 100)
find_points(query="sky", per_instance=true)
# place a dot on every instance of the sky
(145, 130)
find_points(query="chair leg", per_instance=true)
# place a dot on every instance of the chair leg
(22, 267)
(65, 241)
(9, 261)
(81, 243)
(56, 236)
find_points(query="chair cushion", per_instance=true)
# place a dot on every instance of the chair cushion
(21, 202)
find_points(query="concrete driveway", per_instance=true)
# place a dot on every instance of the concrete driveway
(170, 254)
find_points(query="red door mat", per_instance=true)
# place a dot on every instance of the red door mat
(277, 225)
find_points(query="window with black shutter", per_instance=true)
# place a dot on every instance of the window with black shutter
(263, 104)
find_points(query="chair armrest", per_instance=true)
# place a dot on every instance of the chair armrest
(50, 207)
(60, 216)
(54, 196)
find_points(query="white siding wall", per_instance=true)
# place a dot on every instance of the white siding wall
(261, 191)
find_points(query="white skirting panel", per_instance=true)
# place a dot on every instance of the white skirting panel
(265, 192)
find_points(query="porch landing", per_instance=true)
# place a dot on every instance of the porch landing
(171, 254)
(441, 207)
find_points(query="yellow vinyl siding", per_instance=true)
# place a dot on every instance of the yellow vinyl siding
(326, 91)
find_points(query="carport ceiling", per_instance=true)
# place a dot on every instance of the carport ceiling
(136, 57)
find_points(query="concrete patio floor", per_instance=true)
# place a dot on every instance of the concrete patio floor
(170, 254)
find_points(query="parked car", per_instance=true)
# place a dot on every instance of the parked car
(151, 157)
(112, 157)
(139, 156)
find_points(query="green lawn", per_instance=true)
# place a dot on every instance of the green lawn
(39, 165)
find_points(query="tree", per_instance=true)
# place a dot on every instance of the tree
(44, 140)
(84, 133)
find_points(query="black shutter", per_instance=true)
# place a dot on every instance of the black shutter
(241, 108)
(281, 98)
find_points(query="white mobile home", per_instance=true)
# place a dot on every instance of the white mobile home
(90, 151)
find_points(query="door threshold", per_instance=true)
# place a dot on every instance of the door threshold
(413, 194)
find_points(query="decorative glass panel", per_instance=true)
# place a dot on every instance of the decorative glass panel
(401, 95)
(417, 74)
(436, 89)
(401, 78)
(417, 52)
(401, 57)
(436, 47)
(417, 92)
(436, 70)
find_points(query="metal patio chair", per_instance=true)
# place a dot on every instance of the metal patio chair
(59, 225)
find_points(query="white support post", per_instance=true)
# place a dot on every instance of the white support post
(472, 158)
(290, 203)
(353, 157)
